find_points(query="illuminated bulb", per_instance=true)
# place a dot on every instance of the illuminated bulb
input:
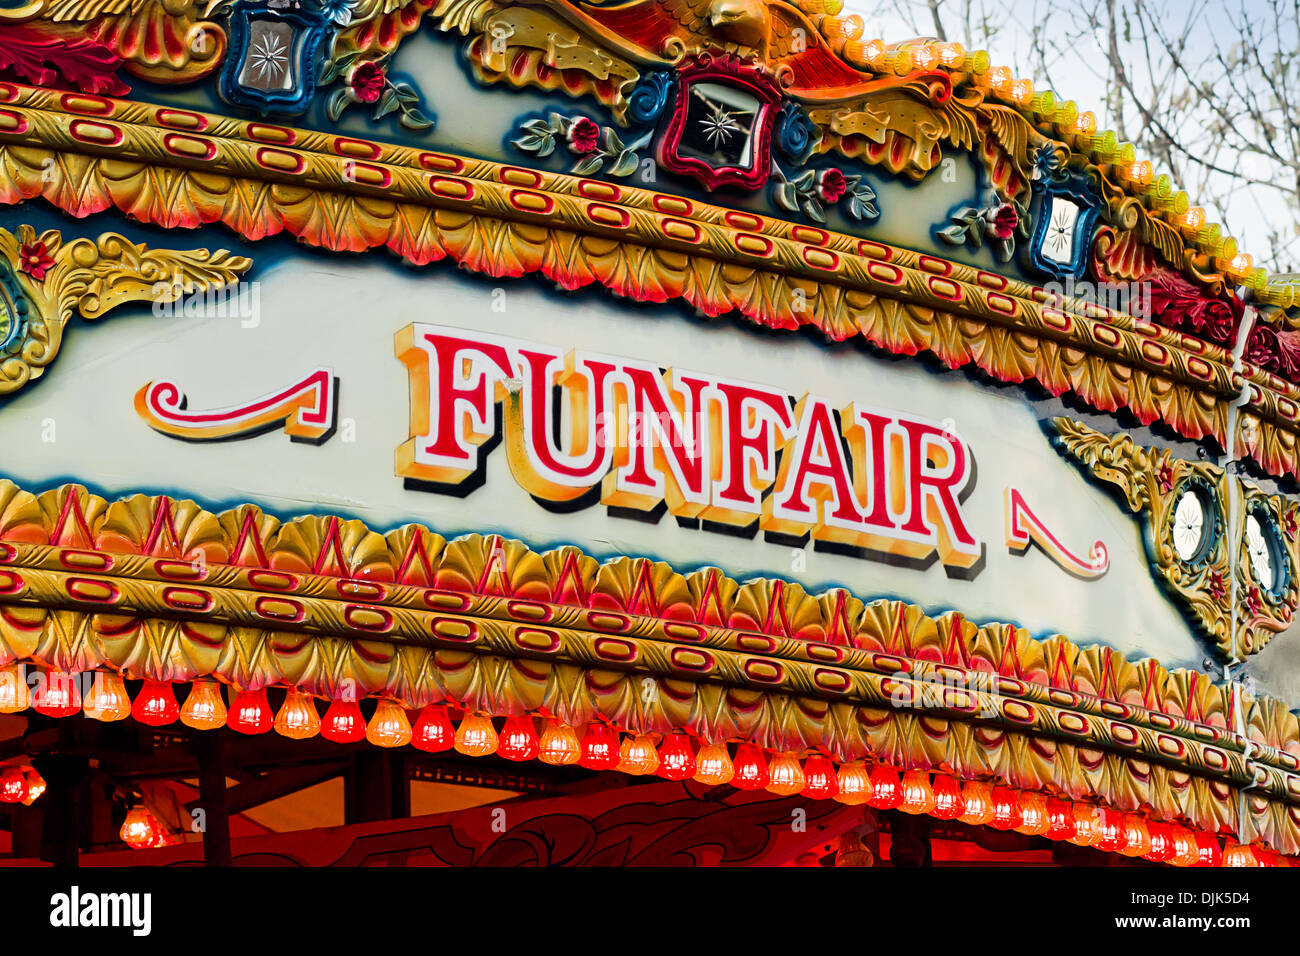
(851, 27)
(297, 718)
(1034, 820)
(140, 830)
(1239, 854)
(1141, 173)
(819, 778)
(948, 803)
(886, 793)
(713, 765)
(854, 784)
(343, 723)
(1060, 819)
(14, 696)
(786, 775)
(676, 759)
(559, 745)
(1184, 844)
(1085, 124)
(637, 756)
(1111, 833)
(924, 57)
(873, 53)
(249, 712)
(1087, 825)
(433, 733)
(1242, 264)
(155, 705)
(999, 78)
(204, 709)
(476, 737)
(978, 803)
(1006, 809)
(951, 54)
(1193, 219)
(917, 794)
(1207, 849)
(13, 785)
(751, 768)
(35, 785)
(599, 747)
(390, 728)
(1022, 92)
(56, 695)
(1137, 838)
(518, 739)
(1162, 843)
(107, 699)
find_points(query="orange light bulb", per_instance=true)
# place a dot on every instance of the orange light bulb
(917, 794)
(433, 733)
(637, 756)
(204, 709)
(297, 718)
(155, 705)
(713, 766)
(476, 737)
(1137, 837)
(140, 830)
(1185, 849)
(107, 699)
(1239, 854)
(1034, 819)
(786, 775)
(14, 694)
(1087, 825)
(854, 784)
(560, 745)
(978, 802)
(389, 726)
(35, 785)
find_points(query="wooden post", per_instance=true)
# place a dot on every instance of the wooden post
(61, 829)
(378, 787)
(212, 799)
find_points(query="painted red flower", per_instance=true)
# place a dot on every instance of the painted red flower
(584, 135)
(1289, 522)
(1253, 602)
(35, 259)
(1004, 221)
(1215, 586)
(368, 82)
(832, 185)
(1165, 476)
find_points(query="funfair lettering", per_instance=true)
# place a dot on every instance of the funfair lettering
(580, 426)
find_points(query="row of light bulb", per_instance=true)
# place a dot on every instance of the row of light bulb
(673, 756)
(1079, 129)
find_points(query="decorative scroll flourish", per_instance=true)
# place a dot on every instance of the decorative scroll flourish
(44, 279)
(426, 206)
(160, 588)
(1025, 528)
(1185, 510)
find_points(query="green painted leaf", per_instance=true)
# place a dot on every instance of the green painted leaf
(388, 103)
(414, 120)
(588, 165)
(624, 164)
(337, 102)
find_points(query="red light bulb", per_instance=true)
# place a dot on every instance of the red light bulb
(156, 705)
(518, 739)
(948, 803)
(343, 723)
(57, 695)
(676, 758)
(1208, 851)
(820, 781)
(1006, 810)
(1111, 833)
(600, 749)
(751, 771)
(433, 732)
(13, 785)
(886, 791)
(250, 713)
(1162, 843)
(1060, 819)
